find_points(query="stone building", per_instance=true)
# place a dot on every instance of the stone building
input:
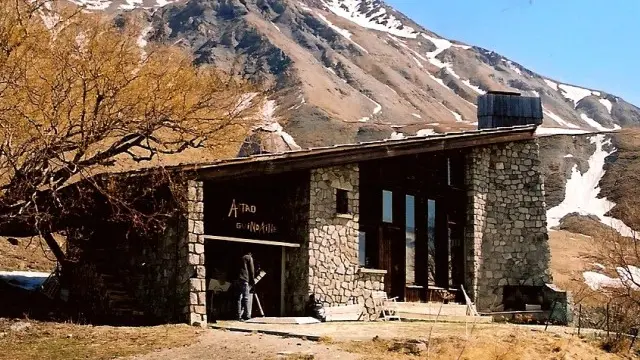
(420, 218)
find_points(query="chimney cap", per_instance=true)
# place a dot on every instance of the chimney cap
(503, 92)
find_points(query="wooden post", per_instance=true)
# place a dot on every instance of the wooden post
(553, 306)
(579, 318)
(607, 315)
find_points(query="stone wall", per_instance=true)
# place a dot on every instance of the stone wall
(192, 258)
(334, 274)
(506, 238)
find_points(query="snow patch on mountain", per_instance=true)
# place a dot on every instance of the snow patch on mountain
(551, 84)
(370, 15)
(559, 120)
(93, 5)
(582, 191)
(270, 124)
(543, 131)
(574, 93)
(457, 116)
(596, 125)
(425, 132)
(473, 87)
(606, 104)
(341, 31)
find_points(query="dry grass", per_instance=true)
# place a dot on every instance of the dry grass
(487, 343)
(27, 254)
(53, 341)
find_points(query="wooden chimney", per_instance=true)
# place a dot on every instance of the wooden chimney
(505, 109)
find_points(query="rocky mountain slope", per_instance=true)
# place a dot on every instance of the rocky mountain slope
(343, 71)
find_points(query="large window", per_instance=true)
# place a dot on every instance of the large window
(410, 239)
(431, 242)
(387, 206)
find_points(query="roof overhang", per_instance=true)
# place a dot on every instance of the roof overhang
(353, 153)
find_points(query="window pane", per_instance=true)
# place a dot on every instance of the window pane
(410, 238)
(387, 206)
(431, 247)
(362, 247)
(342, 201)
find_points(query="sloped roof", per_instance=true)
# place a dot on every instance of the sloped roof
(351, 153)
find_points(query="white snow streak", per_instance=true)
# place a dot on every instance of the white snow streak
(373, 17)
(275, 26)
(574, 93)
(417, 116)
(97, 5)
(457, 116)
(473, 87)
(396, 136)
(551, 84)
(606, 104)
(582, 191)
(425, 132)
(441, 45)
(270, 123)
(418, 62)
(341, 31)
(542, 130)
(142, 39)
(597, 281)
(596, 125)
(130, 4)
(559, 120)
(304, 7)
(439, 81)
(568, 156)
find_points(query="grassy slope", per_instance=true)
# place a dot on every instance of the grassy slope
(29, 254)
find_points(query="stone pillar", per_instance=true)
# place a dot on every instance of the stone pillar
(334, 275)
(476, 181)
(195, 313)
(506, 238)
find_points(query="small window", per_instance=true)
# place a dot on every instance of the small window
(387, 206)
(342, 201)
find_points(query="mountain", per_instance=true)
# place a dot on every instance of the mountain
(344, 71)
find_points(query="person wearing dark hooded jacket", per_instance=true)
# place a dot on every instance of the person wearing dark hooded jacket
(244, 283)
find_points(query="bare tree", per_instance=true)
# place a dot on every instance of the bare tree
(79, 95)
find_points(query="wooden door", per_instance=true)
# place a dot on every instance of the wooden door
(392, 259)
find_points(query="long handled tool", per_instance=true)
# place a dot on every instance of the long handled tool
(255, 295)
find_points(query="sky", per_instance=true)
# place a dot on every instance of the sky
(592, 43)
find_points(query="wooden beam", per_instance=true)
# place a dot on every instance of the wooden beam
(251, 241)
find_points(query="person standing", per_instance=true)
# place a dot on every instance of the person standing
(244, 283)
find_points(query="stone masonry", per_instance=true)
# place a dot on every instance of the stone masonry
(193, 258)
(334, 273)
(506, 237)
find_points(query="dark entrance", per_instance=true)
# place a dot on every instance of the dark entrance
(263, 215)
(412, 224)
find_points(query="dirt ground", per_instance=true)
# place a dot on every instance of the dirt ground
(503, 342)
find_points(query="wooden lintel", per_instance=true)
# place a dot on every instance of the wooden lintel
(251, 241)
